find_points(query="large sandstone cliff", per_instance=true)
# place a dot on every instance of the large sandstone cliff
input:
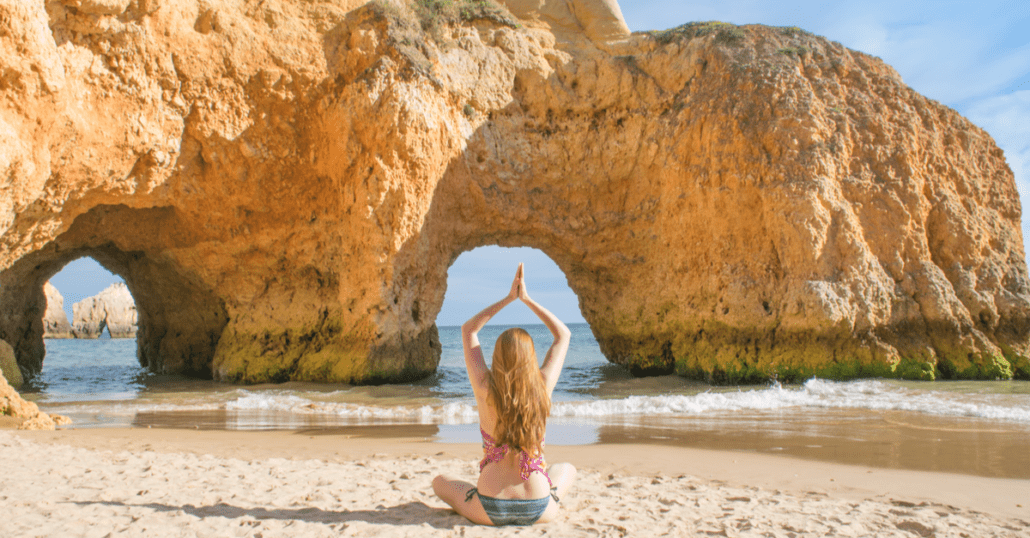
(283, 185)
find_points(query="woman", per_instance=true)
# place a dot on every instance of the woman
(514, 399)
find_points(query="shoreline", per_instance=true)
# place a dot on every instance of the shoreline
(875, 439)
(1004, 498)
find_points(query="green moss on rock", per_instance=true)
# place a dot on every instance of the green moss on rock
(916, 369)
(1020, 365)
(319, 351)
(975, 366)
(722, 354)
(9, 365)
(322, 352)
(724, 32)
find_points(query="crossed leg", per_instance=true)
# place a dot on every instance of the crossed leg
(453, 492)
(562, 476)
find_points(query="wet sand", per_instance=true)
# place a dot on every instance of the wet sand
(891, 440)
(374, 481)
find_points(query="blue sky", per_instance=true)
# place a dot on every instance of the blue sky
(971, 56)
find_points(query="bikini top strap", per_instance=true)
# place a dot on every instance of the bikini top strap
(494, 453)
(528, 465)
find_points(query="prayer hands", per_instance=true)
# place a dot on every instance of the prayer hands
(518, 286)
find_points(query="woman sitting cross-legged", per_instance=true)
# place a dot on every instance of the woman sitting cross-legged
(514, 398)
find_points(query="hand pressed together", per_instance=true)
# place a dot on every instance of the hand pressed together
(518, 286)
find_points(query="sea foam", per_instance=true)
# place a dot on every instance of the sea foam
(815, 394)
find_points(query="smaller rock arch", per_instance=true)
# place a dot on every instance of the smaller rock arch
(179, 320)
(422, 270)
(113, 310)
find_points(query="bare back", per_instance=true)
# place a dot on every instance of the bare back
(504, 476)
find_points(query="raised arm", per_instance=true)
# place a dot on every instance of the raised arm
(474, 363)
(555, 359)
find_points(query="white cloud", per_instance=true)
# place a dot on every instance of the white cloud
(945, 64)
(1005, 117)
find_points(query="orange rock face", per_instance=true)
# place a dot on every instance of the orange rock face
(284, 184)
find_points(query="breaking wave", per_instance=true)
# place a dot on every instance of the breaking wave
(814, 394)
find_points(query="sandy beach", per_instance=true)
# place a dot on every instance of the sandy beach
(179, 482)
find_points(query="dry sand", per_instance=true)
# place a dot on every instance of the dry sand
(164, 482)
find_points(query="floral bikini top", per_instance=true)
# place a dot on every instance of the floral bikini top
(494, 453)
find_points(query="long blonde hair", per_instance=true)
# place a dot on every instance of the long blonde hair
(518, 393)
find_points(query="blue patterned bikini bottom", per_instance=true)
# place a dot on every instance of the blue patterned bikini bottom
(512, 511)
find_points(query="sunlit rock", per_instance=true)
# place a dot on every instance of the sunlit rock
(283, 185)
(55, 321)
(112, 309)
(599, 20)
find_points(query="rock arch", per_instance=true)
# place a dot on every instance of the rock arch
(525, 217)
(729, 203)
(179, 321)
(112, 310)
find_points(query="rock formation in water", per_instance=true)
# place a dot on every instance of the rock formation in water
(112, 309)
(55, 320)
(284, 184)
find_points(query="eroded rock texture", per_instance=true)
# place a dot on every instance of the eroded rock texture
(112, 309)
(283, 185)
(9, 365)
(55, 320)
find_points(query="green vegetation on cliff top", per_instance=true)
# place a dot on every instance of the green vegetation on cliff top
(433, 15)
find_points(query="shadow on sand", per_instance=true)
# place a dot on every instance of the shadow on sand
(412, 513)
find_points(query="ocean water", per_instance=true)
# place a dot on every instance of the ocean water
(965, 426)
